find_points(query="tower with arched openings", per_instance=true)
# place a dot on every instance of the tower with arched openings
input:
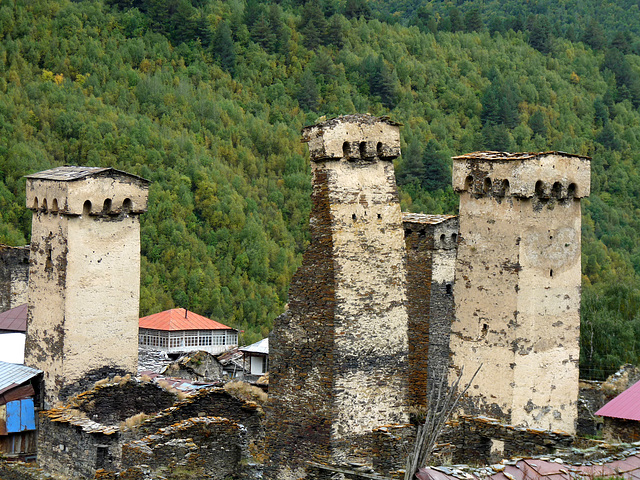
(517, 285)
(84, 276)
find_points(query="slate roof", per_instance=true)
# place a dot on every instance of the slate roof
(71, 173)
(513, 156)
(15, 319)
(261, 347)
(424, 218)
(625, 465)
(625, 406)
(178, 319)
(13, 375)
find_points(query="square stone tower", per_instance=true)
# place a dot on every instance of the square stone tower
(432, 245)
(517, 290)
(338, 356)
(84, 278)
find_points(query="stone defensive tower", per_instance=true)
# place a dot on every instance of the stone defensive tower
(517, 290)
(84, 278)
(339, 355)
(432, 244)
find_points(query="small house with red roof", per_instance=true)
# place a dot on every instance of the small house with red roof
(178, 330)
(622, 416)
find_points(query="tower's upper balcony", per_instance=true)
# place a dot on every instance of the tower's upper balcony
(548, 174)
(86, 190)
(353, 138)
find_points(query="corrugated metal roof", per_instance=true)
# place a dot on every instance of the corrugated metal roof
(180, 319)
(424, 218)
(12, 375)
(71, 173)
(513, 156)
(259, 347)
(14, 319)
(626, 405)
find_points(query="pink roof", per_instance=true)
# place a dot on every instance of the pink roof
(180, 319)
(14, 319)
(539, 469)
(626, 405)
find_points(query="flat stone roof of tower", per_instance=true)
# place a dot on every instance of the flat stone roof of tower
(364, 118)
(501, 156)
(71, 173)
(424, 218)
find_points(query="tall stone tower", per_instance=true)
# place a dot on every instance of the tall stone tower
(517, 290)
(338, 356)
(432, 244)
(84, 278)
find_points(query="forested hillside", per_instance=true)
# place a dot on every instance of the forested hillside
(206, 98)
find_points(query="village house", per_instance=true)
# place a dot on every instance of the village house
(19, 393)
(622, 416)
(178, 331)
(256, 358)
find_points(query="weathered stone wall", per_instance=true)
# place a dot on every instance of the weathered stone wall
(67, 450)
(14, 276)
(591, 399)
(484, 440)
(431, 242)
(203, 447)
(112, 404)
(211, 402)
(338, 357)
(517, 289)
(619, 430)
(84, 278)
(98, 427)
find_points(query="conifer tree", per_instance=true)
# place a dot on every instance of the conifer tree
(224, 48)
(308, 91)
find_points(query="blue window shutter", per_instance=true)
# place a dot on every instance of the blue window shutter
(27, 415)
(13, 416)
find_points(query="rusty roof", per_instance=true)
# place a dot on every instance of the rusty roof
(180, 319)
(424, 218)
(625, 406)
(72, 173)
(624, 466)
(13, 375)
(491, 155)
(15, 319)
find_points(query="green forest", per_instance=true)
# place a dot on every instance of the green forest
(206, 98)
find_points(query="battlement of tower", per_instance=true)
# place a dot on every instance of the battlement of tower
(86, 190)
(353, 138)
(545, 175)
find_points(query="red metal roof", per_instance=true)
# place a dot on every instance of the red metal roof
(626, 405)
(15, 319)
(180, 319)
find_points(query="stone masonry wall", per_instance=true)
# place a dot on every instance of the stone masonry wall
(68, 450)
(14, 276)
(517, 289)
(475, 439)
(205, 447)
